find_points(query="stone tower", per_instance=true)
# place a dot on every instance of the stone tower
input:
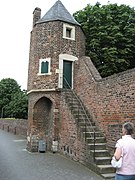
(57, 42)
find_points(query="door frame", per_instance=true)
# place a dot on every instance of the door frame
(67, 74)
(65, 57)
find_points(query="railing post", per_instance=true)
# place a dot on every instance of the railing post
(85, 130)
(15, 130)
(94, 146)
(78, 112)
(85, 121)
(8, 129)
(72, 103)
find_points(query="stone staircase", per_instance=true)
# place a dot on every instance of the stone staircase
(89, 130)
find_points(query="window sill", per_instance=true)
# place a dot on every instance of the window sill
(44, 74)
(73, 39)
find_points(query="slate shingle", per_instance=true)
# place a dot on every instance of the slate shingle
(58, 12)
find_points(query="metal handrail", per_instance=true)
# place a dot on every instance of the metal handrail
(82, 106)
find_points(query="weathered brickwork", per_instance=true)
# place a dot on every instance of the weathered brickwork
(111, 101)
(70, 142)
(47, 42)
(15, 126)
(44, 116)
(45, 108)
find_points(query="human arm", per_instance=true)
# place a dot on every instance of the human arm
(118, 153)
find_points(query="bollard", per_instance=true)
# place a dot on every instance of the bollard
(15, 130)
(42, 146)
(54, 146)
(8, 129)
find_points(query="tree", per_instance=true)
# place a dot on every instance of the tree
(13, 101)
(110, 36)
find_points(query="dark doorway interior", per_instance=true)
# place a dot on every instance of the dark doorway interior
(67, 74)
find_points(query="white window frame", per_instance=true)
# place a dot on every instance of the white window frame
(67, 26)
(49, 66)
(63, 57)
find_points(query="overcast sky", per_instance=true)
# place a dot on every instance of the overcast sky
(16, 23)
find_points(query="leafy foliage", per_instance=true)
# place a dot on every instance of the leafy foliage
(110, 36)
(13, 101)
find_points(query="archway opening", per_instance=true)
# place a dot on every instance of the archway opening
(43, 118)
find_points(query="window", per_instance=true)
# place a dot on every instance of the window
(44, 66)
(68, 32)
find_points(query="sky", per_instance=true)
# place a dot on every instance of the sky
(16, 24)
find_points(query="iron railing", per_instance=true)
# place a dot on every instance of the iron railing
(88, 126)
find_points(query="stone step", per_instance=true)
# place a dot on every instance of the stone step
(77, 108)
(91, 134)
(100, 153)
(88, 128)
(105, 169)
(98, 146)
(74, 103)
(110, 176)
(103, 160)
(85, 122)
(98, 139)
(71, 97)
(80, 114)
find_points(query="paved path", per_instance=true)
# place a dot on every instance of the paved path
(18, 164)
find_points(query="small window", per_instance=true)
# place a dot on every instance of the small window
(68, 32)
(44, 66)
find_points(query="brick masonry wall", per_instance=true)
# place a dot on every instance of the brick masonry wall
(47, 42)
(111, 101)
(15, 126)
(44, 125)
(71, 143)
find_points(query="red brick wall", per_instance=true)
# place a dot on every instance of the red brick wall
(15, 126)
(47, 42)
(70, 142)
(111, 101)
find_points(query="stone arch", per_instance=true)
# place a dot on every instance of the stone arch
(43, 117)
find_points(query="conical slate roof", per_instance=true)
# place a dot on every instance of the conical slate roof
(58, 12)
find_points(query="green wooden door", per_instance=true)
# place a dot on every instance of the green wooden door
(67, 74)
